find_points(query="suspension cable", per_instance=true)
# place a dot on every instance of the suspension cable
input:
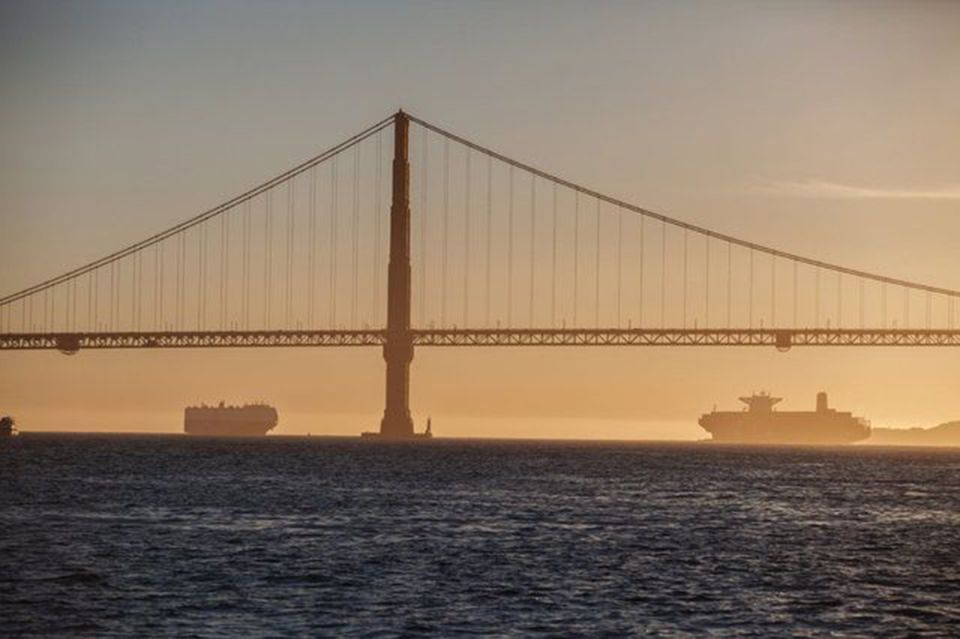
(215, 211)
(675, 222)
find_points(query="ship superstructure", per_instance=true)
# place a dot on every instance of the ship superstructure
(249, 420)
(760, 423)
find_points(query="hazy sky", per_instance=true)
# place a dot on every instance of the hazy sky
(823, 128)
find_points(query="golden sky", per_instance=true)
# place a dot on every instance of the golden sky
(825, 129)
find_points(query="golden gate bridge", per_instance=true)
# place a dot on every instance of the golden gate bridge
(474, 249)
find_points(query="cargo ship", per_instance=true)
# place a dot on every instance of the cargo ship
(759, 423)
(249, 420)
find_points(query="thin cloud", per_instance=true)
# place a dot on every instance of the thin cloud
(821, 189)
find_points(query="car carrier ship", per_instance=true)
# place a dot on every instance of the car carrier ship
(759, 423)
(249, 420)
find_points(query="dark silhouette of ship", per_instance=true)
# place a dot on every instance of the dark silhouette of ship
(8, 427)
(249, 420)
(759, 423)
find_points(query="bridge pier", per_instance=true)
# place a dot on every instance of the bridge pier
(398, 349)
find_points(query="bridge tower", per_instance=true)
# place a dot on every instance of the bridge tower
(398, 349)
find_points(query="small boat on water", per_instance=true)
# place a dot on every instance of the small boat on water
(8, 427)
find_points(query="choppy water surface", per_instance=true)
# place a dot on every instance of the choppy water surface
(104, 535)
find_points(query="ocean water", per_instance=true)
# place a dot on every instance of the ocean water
(167, 535)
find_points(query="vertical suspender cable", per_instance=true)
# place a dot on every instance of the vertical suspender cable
(246, 264)
(134, 261)
(839, 299)
(796, 305)
(706, 284)
(312, 247)
(553, 281)
(157, 287)
(288, 279)
(862, 314)
(226, 271)
(489, 236)
(163, 264)
(223, 272)
(202, 283)
(643, 220)
(729, 285)
(906, 307)
(663, 274)
(182, 282)
(50, 325)
(533, 243)
(816, 305)
(117, 297)
(466, 240)
(619, 265)
(201, 248)
(267, 258)
(445, 229)
(684, 285)
(424, 184)
(355, 231)
(334, 205)
(184, 285)
(115, 311)
(596, 284)
(113, 277)
(750, 302)
(576, 253)
(510, 252)
(883, 305)
(377, 229)
(773, 291)
(140, 255)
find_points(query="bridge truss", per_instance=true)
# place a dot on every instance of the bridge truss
(782, 339)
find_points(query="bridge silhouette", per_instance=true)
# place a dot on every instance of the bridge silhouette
(478, 249)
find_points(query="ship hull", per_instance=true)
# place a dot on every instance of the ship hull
(214, 429)
(229, 421)
(784, 428)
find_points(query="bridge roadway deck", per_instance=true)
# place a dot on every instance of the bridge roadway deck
(779, 338)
